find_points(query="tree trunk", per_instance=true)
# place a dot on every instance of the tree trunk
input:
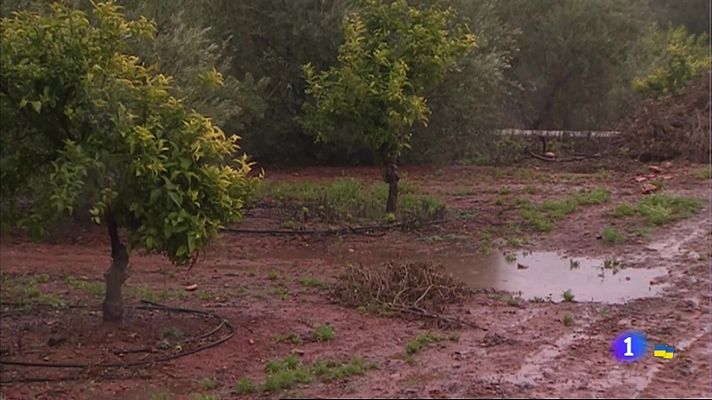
(391, 177)
(112, 308)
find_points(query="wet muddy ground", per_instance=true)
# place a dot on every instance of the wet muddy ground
(534, 344)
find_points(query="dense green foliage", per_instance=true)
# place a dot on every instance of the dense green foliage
(83, 118)
(391, 55)
(680, 59)
(563, 64)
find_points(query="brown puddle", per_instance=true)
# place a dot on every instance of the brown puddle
(544, 275)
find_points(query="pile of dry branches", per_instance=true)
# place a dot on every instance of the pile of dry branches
(399, 286)
(672, 126)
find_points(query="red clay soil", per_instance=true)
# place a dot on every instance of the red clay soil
(255, 283)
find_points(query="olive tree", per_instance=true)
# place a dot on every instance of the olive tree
(392, 53)
(83, 119)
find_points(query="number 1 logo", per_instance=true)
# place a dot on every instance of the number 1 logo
(629, 346)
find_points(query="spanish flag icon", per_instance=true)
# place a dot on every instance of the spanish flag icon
(664, 351)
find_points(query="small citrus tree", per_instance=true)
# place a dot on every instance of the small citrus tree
(83, 119)
(391, 55)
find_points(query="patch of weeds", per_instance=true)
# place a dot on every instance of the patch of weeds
(568, 296)
(529, 189)
(499, 201)
(567, 319)
(417, 344)
(623, 210)
(611, 235)
(208, 383)
(283, 374)
(245, 386)
(574, 264)
(172, 333)
(661, 208)
(514, 242)
(505, 191)
(203, 295)
(311, 282)
(538, 300)
(454, 337)
(328, 370)
(205, 396)
(612, 264)
(24, 291)
(349, 199)
(272, 275)
(162, 395)
(289, 224)
(323, 333)
(94, 289)
(150, 294)
(704, 172)
(536, 219)
(510, 257)
(598, 195)
(292, 337)
(281, 291)
(513, 301)
(557, 209)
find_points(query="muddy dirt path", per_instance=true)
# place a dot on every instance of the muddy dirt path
(258, 284)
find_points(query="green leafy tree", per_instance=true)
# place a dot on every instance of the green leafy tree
(680, 57)
(84, 118)
(574, 60)
(391, 55)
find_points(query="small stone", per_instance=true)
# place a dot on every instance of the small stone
(655, 169)
(549, 154)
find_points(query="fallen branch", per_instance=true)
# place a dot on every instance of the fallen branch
(560, 160)
(419, 312)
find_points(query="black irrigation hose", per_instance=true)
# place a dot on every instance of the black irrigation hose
(149, 306)
(363, 230)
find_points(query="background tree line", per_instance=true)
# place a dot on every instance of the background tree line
(543, 64)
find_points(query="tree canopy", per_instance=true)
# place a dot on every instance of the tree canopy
(83, 118)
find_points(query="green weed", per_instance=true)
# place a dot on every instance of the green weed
(611, 236)
(323, 333)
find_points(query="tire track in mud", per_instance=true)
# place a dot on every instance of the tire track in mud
(670, 319)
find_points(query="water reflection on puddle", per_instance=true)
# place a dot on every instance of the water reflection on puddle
(544, 275)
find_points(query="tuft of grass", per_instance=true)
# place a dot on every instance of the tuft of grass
(662, 208)
(417, 344)
(293, 338)
(94, 289)
(311, 282)
(611, 236)
(514, 242)
(349, 199)
(567, 319)
(454, 337)
(203, 295)
(510, 257)
(162, 395)
(328, 370)
(208, 383)
(24, 291)
(598, 195)
(245, 386)
(283, 374)
(623, 210)
(574, 264)
(568, 296)
(205, 396)
(704, 172)
(272, 275)
(323, 333)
